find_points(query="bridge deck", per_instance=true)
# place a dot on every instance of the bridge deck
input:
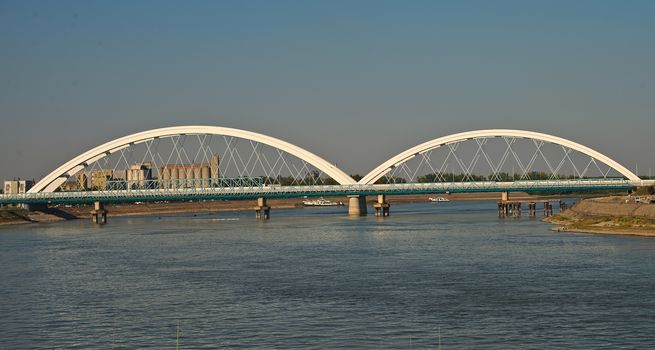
(134, 195)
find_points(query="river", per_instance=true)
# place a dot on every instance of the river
(315, 279)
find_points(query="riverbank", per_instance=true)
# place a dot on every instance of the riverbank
(52, 214)
(16, 216)
(607, 215)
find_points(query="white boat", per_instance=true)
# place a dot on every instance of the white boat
(321, 203)
(438, 199)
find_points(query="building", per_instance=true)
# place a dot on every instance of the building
(213, 168)
(184, 175)
(139, 174)
(17, 186)
(189, 175)
(100, 178)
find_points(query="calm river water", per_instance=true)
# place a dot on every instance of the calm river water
(316, 279)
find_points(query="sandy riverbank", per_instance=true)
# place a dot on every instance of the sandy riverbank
(607, 215)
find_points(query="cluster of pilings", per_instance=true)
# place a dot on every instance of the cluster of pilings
(507, 207)
(513, 208)
(532, 209)
(548, 209)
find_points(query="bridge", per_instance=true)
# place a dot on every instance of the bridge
(209, 162)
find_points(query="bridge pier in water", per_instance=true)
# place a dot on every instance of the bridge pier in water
(382, 206)
(99, 214)
(357, 205)
(506, 208)
(262, 210)
(532, 209)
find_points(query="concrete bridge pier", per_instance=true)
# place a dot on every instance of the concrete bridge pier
(99, 214)
(382, 206)
(357, 205)
(262, 210)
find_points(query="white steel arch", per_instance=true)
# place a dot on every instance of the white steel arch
(53, 180)
(401, 158)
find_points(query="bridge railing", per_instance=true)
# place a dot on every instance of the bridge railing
(180, 183)
(247, 190)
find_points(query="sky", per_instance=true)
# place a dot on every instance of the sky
(354, 81)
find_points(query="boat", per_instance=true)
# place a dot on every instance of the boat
(438, 199)
(321, 203)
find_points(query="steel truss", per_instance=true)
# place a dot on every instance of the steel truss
(190, 157)
(448, 160)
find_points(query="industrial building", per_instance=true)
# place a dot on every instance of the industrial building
(100, 178)
(17, 186)
(189, 175)
(139, 174)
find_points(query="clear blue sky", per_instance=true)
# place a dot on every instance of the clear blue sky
(354, 81)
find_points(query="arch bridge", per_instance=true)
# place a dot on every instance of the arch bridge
(210, 162)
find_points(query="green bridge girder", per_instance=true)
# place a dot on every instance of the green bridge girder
(243, 193)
